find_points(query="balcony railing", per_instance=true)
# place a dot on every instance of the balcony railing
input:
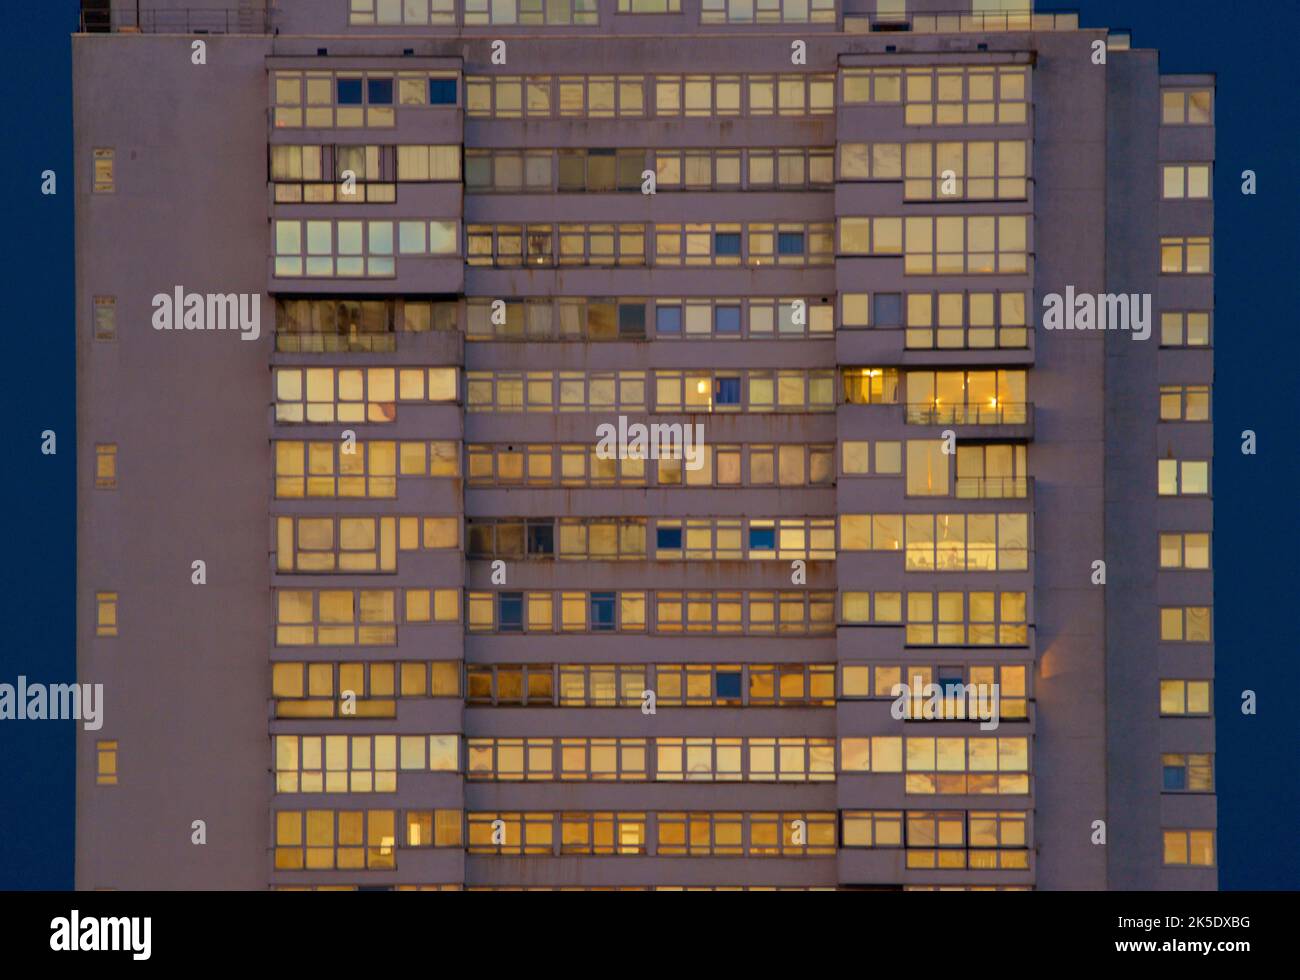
(992, 487)
(964, 21)
(188, 20)
(997, 413)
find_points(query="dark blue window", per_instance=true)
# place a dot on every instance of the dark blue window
(726, 391)
(541, 539)
(349, 91)
(668, 319)
(888, 309)
(602, 612)
(510, 612)
(729, 684)
(789, 243)
(668, 538)
(442, 91)
(380, 91)
(726, 243)
(762, 538)
(726, 320)
(1175, 778)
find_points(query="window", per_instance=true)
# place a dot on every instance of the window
(1189, 848)
(1186, 107)
(1187, 773)
(106, 466)
(857, 458)
(649, 6)
(103, 179)
(1183, 697)
(1185, 624)
(927, 468)
(105, 318)
(1185, 550)
(1190, 181)
(557, 12)
(106, 763)
(1183, 478)
(870, 386)
(1185, 256)
(1184, 403)
(316, 690)
(106, 614)
(1180, 329)
(442, 91)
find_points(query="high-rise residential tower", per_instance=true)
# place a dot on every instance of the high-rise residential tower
(393, 316)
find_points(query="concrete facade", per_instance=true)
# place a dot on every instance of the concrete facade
(808, 782)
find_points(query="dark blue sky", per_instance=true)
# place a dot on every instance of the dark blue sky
(1249, 45)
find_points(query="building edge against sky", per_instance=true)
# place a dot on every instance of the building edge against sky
(845, 259)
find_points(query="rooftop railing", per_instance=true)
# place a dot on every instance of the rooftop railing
(189, 20)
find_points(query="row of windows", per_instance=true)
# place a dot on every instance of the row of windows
(981, 170)
(704, 244)
(932, 765)
(358, 394)
(665, 759)
(959, 95)
(1183, 477)
(311, 690)
(362, 617)
(974, 765)
(941, 839)
(579, 465)
(956, 700)
(637, 96)
(327, 469)
(351, 99)
(357, 544)
(358, 249)
(956, 245)
(572, 318)
(931, 542)
(943, 618)
(313, 173)
(942, 542)
(606, 169)
(946, 320)
(358, 763)
(673, 539)
(331, 324)
(674, 685)
(358, 689)
(787, 612)
(738, 390)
